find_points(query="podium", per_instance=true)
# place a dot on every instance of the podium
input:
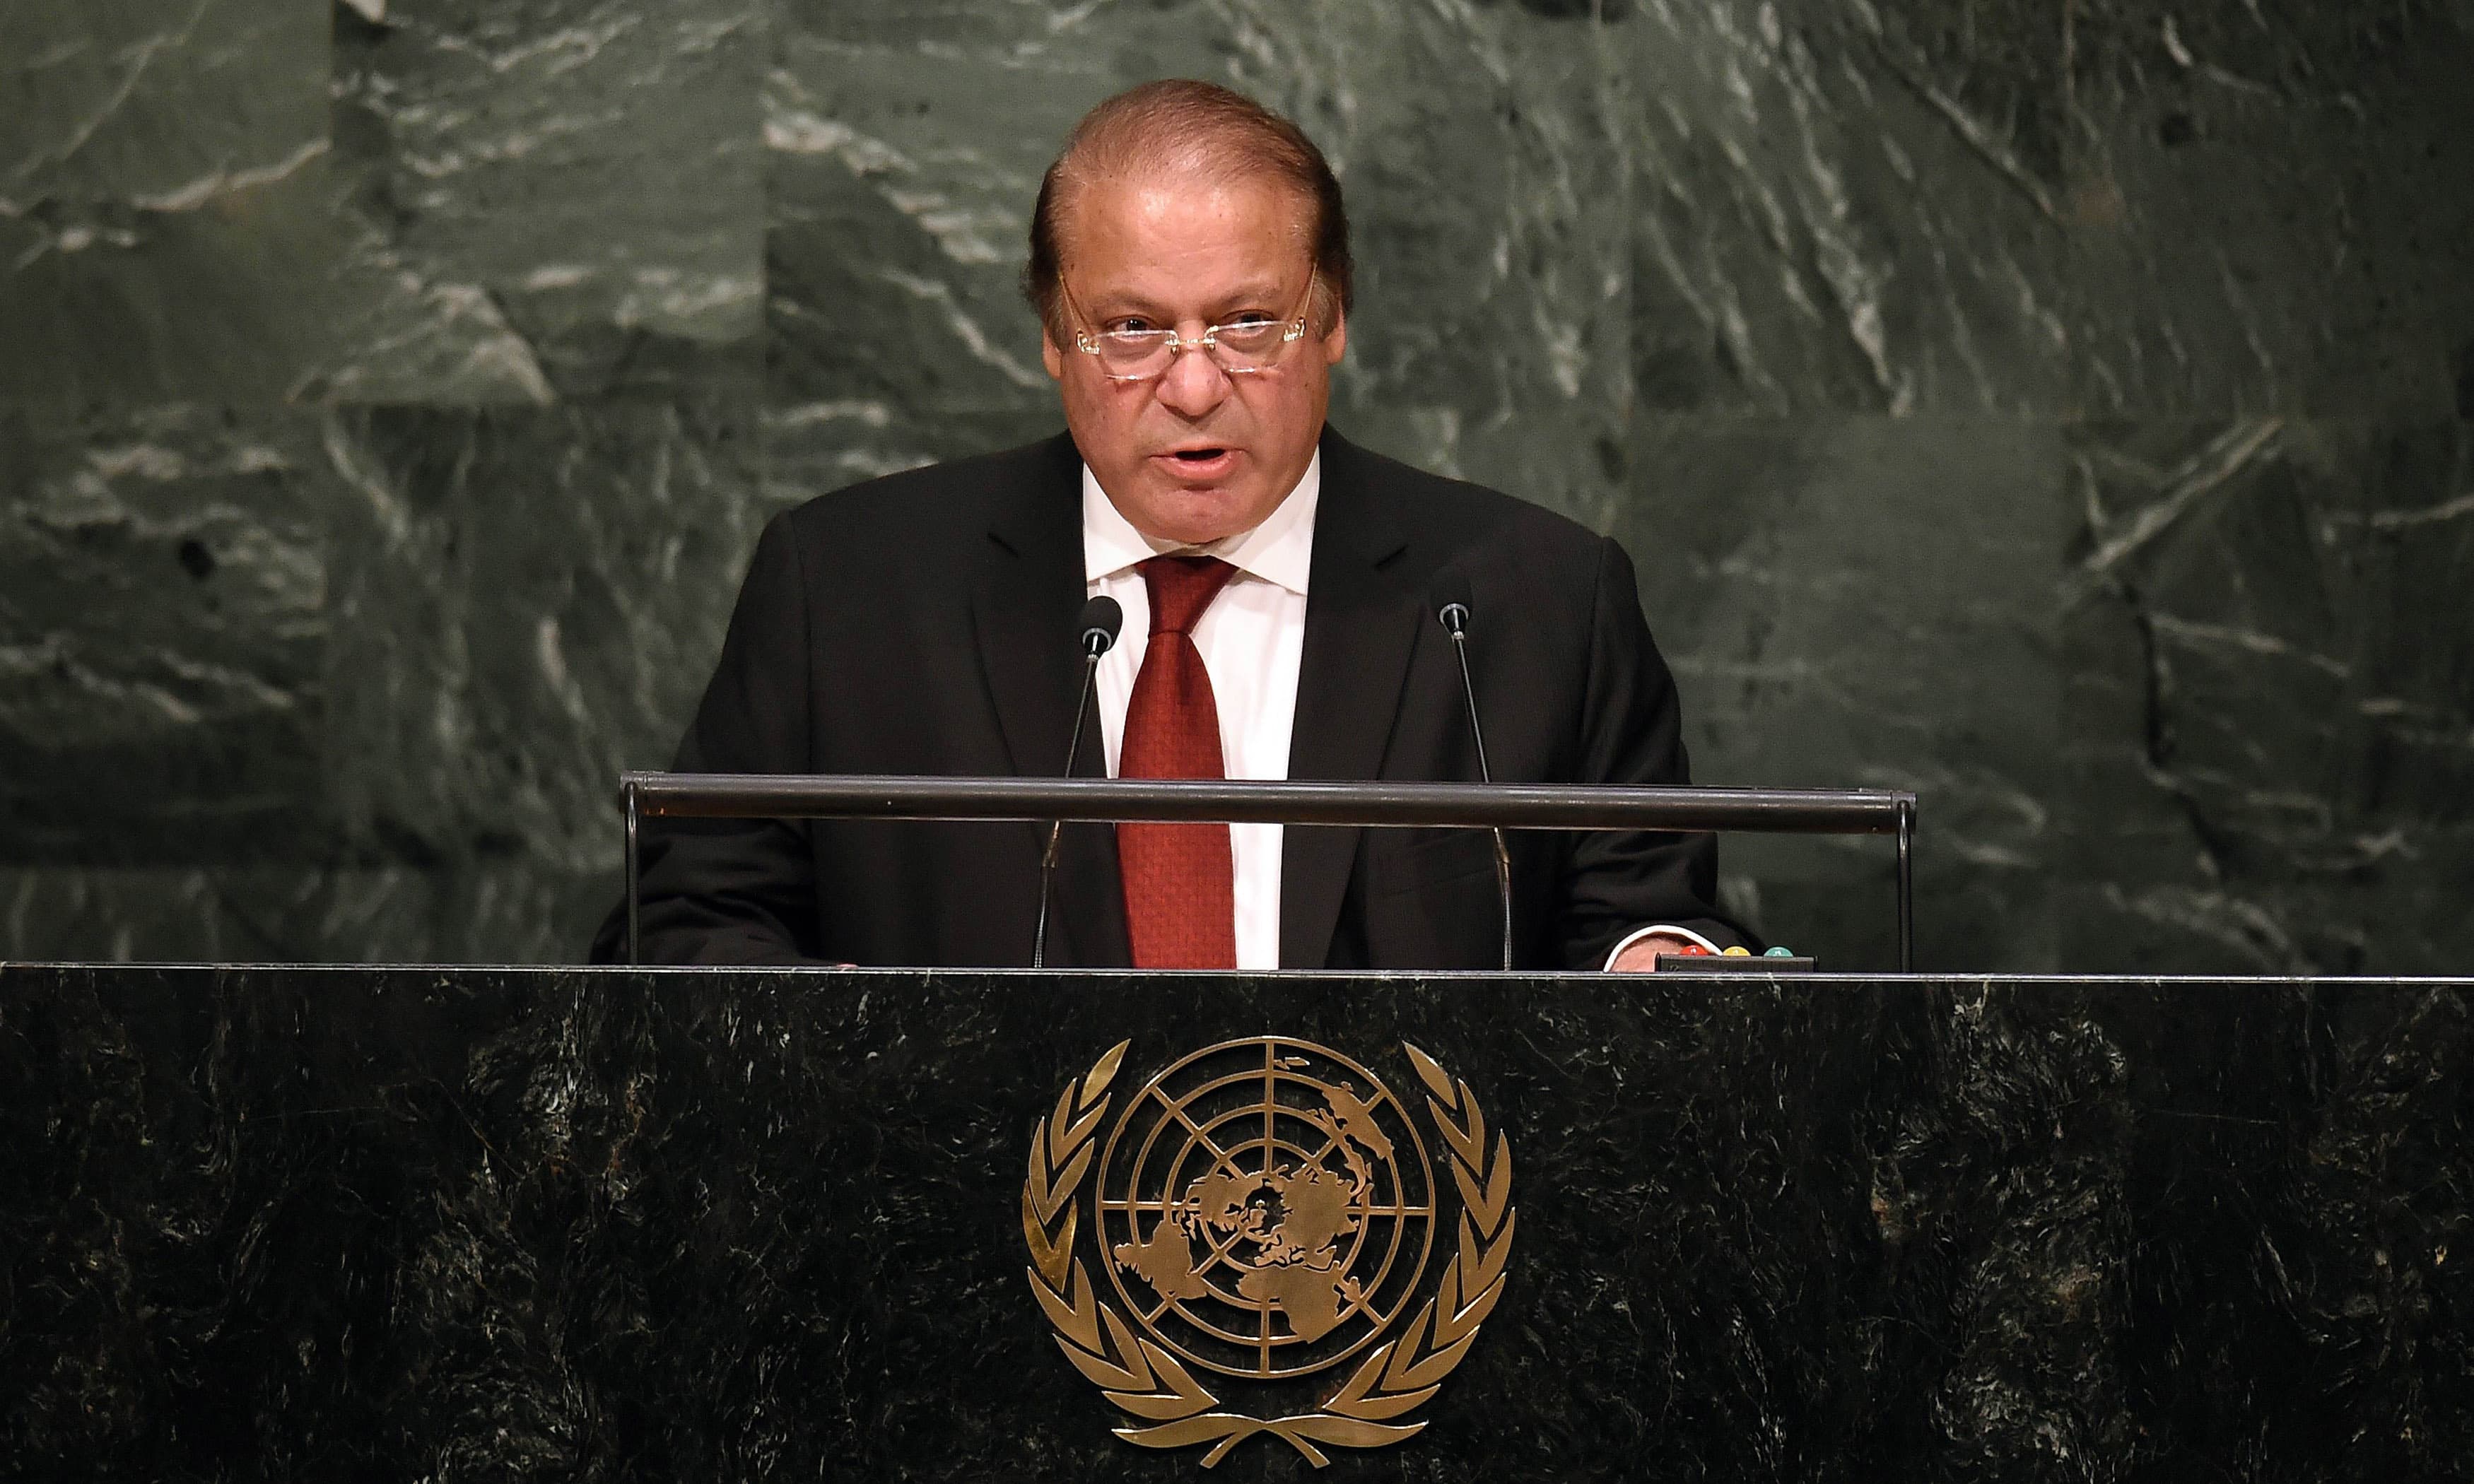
(408, 1223)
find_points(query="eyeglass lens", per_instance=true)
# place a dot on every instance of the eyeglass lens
(1247, 346)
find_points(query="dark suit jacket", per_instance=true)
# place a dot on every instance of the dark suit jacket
(924, 623)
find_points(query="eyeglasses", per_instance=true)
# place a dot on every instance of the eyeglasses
(1241, 350)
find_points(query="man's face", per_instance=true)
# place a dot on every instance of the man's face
(1194, 454)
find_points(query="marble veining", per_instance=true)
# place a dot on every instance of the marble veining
(2055, 408)
(2305, 561)
(416, 1223)
(558, 198)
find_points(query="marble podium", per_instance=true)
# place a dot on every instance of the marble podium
(447, 1223)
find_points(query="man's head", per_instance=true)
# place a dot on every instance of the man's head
(1178, 206)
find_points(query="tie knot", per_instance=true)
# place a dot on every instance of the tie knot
(1181, 587)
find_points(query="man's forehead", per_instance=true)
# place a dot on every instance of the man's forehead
(1184, 211)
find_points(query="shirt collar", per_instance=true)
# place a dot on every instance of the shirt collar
(1279, 551)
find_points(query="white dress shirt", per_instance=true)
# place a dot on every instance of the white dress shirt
(1251, 637)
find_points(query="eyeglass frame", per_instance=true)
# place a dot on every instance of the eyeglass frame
(1209, 342)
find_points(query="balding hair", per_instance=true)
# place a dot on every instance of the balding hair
(1193, 129)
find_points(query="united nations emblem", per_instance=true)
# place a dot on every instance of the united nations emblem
(1265, 1211)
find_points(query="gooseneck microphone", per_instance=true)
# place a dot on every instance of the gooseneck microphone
(1454, 617)
(1099, 624)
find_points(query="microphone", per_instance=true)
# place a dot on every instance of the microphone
(1099, 622)
(1454, 617)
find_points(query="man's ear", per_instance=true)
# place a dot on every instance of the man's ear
(1052, 357)
(1336, 343)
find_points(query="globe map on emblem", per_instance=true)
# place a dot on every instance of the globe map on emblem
(1265, 1208)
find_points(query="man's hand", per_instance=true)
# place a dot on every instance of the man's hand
(1641, 957)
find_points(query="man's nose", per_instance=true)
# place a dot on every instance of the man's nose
(1194, 383)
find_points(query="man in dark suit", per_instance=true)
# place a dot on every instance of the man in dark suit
(1190, 262)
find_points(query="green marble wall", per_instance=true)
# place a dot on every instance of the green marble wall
(2061, 409)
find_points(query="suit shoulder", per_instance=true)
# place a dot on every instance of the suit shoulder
(931, 505)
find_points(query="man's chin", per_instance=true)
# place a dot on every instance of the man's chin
(1194, 514)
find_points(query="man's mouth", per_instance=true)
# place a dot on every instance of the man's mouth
(1200, 462)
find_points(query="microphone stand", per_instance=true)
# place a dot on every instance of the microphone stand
(1455, 621)
(1099, 637)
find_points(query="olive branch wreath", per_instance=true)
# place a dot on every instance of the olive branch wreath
(1143, 1379)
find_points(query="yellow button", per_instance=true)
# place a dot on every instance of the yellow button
(1739, 951)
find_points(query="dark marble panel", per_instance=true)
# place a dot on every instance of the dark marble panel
(1867, 601)
(162, 624)
(905, 145)
(2269, 674)
(1579, 225)
(519, 912)
(2269, 210)
(526, 601)
(152, 105)
(814, 447)
(1483, 152)
(2295, 1296)
(162, 193)
(398, 1224)
(1846, 206)
(552, 198)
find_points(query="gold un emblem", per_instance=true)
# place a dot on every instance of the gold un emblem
(1263, 1211)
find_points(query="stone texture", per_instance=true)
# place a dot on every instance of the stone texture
(404, 1223)
(2056, 408)
(526, 603)
(1849, 207)
(163, 223)
(2271, 217)
(1867, 601)
(162, 620)
(2268, 672)
(550, 198)
(490, 912)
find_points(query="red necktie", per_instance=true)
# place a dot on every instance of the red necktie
(1180, 887)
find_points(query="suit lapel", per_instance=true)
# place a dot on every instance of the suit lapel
(1360, 625)
(1024, 600)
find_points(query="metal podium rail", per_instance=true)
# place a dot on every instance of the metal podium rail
(1811, 811)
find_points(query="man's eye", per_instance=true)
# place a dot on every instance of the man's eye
(1131, 328)
(1251, 319)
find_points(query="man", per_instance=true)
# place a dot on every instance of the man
(1190, 265)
